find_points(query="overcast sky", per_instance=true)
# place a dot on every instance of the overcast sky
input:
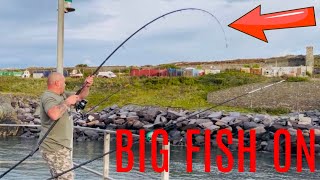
(28, 32)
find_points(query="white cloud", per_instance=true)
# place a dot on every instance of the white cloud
(88, 62)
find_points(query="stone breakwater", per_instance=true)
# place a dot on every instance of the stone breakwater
(134, 118)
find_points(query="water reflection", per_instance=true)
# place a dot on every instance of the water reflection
(14, 149)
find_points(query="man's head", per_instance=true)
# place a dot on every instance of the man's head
(56, 82)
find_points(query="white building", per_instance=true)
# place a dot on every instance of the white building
(288, 71)
(26, 74)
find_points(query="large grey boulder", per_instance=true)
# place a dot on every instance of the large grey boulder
(7, 116)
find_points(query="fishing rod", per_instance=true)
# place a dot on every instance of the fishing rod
(81, 105)
(237, 97)
(149, 134)
(37, 148)
(105, 99)
(84, 115)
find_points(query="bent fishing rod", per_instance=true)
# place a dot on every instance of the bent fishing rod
(81, 105)
(149, 134)
(84, 114)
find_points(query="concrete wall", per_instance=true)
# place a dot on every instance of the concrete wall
(285, 61)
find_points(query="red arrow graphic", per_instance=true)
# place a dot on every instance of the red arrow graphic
(254, 24)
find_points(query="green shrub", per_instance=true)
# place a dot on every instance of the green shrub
(82, 65)
(273, 111)
(308, 74)
(256, 66)
(297, 79)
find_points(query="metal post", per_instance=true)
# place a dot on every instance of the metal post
(106, 157)
(164, 174)
(251, 97)
(60, 36)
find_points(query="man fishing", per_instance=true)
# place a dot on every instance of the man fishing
(55, 104)
(57, 140)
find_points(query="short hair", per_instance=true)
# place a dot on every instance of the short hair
(53, 77)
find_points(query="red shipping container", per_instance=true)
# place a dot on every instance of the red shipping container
(149, 72)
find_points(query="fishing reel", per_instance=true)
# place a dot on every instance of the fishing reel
(81, 105)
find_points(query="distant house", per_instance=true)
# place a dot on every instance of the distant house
(76, 74)
(256, 71)
(285, 71)
(11, 73)
(25, 74)
(212, 71)
(6, 73)
(37, 75)
(245, 70)
(46, 73)
(193, 72)
(175, 72)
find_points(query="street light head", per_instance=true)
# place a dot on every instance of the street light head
(69, 9)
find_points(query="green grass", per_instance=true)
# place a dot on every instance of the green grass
(182, 92)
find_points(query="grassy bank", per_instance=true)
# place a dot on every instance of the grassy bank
(184, 92)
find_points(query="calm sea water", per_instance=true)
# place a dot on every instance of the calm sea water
(14, 149)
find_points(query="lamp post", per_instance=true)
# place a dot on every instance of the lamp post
(64, 6)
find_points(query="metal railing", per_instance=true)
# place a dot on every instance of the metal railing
(106, 160)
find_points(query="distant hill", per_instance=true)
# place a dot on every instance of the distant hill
(289, 60)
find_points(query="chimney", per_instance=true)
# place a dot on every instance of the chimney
(310, 59)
